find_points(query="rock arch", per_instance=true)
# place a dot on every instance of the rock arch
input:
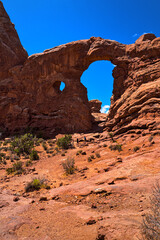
(25, 83)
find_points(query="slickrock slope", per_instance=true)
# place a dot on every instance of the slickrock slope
(30, 87)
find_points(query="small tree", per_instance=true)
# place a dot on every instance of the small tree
(64, 142)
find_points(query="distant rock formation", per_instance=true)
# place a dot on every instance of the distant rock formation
(95, 106)
(30, 94)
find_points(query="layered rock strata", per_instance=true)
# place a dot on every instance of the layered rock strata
(30, 86)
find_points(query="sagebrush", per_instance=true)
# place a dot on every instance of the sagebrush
(151, 221)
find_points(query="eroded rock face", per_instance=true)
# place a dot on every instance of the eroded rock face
(30, 87)
(95, 106)
(12, 52)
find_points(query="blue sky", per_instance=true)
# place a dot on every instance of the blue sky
(43, 24)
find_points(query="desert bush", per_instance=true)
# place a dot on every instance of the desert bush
(136, 148)
(34, 155)
(28, 163)
(5, 149)
(5, 143)
(69, 166)
(83, 153)
(79, 152)
(36, 184)
(151, 221)
(89, 159)
(116, 147)
(2, 161)
(64, 142)
(98, 155)
(16, 169)
(3, 155)
(44, 146)
(9, 170)
(111, 136)
(150, 138)
(16, 157)
(23, 144)
(40, 140)
(92, 156)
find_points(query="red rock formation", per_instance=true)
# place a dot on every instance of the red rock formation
(30, 93)
(95, 106)
(12, 52)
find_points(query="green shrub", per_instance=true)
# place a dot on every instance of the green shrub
(3, 161)
(116, 147)
(23, 144)
(5, 143)
(5, 149)
(98, 155)
(28, 163)
(16, 169)
(89, 159)
(34, 155)
(79, 152)
(35, 184)
(111, 136)
(51, 151)
(69, 166)
(135, 149)
(44, 146)
(3, 155)
(64, 142)
(83, 153)
(9, 170)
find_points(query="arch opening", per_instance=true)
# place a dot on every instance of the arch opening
(59, 87)
(98, 80)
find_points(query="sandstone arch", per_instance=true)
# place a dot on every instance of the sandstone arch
(24, 83)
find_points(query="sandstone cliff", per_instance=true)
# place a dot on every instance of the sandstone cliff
(95, 106)
(30, 86)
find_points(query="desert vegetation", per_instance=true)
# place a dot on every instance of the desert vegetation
(69, 166)
(116, 147)
(36, 184)
(64, 142)
(151, 221)
(16, 169)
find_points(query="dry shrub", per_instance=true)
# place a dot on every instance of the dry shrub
(151, 221)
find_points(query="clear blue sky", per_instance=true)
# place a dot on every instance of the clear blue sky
(43, 24)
